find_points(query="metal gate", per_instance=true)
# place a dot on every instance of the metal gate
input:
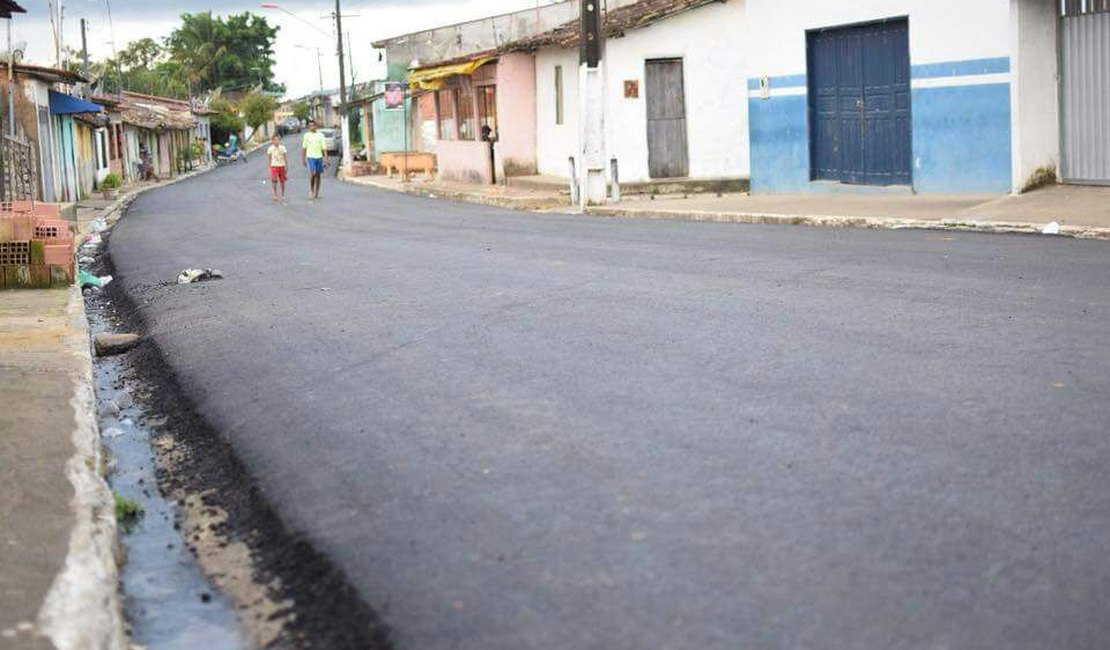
(18, 180)
(859, 104)
(1085, 91)
(666, 119)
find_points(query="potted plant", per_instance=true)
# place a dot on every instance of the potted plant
(110, 186)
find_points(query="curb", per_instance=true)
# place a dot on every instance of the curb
(82, 609)
(888, 223)
(528, 204)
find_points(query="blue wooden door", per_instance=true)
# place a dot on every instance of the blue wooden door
(859, 104)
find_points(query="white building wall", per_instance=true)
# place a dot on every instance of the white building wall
(1035, 88)
(712, 43)
(940, 30)
(555, 143)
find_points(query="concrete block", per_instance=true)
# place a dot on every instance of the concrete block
(108, 344)
(38, 253)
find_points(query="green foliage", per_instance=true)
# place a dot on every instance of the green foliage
(225, 120)
(111, 182)
(233, 53)
(128, 511)
(257, 109)
(302, 111)
(204, 53)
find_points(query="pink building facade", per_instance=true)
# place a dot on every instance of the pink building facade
(482, 125)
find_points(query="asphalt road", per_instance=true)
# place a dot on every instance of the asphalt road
(520, 431)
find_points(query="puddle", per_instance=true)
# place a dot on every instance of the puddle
(168, 601)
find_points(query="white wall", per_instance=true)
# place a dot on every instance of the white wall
(712, 43)
(940, 30)
(556, 143)
(1036, 117)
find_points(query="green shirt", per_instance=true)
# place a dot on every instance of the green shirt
(314, 144)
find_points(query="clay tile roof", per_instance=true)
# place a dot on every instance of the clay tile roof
(155, 117)
(617, 22)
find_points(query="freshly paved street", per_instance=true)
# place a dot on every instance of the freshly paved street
(545, 431)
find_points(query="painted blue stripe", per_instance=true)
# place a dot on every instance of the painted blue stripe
(962, 68)
(785, 81)
(921, 71)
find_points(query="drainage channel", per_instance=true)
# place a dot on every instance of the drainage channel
(168, 601)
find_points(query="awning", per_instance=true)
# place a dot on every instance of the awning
(432, 78)
(63, 104)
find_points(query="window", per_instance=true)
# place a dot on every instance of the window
(445, 114)
(559, 94)
(464, 101)
(487, 111)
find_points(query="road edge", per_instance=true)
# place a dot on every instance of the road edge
(828, 221)
(82, 609)
(821, 221)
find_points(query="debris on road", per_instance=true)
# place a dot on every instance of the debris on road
(87, 280)
(108, 344)
(190, 276)
(1051, 229)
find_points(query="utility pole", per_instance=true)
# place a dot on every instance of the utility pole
(592, 81)
(84, 52)
(345, 125)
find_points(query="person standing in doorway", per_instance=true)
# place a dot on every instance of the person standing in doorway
(314, 155)
(278, 157)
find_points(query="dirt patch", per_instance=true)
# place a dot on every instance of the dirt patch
(287, 594)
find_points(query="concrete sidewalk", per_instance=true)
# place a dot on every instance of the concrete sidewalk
(58, 570)
(1080, 211)
(505, 196)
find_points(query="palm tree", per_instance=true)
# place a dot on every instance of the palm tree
(200, 44)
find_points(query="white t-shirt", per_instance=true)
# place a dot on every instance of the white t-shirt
(278, 155)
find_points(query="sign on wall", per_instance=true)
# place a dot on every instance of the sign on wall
(632, 89)
(394, 95)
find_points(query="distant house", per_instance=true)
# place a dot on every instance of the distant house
(59, 127)
(162, 127)
(675, 105)
(453, 93)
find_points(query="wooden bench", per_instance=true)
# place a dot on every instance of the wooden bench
(407, 162)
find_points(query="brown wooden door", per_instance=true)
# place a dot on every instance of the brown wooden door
(666, 119)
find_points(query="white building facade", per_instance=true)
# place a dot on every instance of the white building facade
(675, 97)
(859, 96)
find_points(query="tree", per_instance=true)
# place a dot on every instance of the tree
(257, 109)
(144, 54)
(225, 119)
(236, 53)
(302, 111)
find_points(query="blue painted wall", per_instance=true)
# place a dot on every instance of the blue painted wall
(961, 133)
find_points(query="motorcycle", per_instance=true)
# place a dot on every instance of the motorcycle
(228, 155)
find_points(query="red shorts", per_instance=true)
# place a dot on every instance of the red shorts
(278, 174)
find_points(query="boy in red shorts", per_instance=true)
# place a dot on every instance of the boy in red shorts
(278, 157)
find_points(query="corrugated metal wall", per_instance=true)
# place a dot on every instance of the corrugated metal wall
(1085, 64)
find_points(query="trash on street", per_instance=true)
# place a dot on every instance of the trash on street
(190, 276)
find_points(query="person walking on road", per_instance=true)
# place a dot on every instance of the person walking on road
(278, 157)
(314, 155)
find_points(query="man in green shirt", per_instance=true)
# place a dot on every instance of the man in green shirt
(314, 155)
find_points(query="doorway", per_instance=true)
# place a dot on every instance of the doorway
(859, 104)
(668, 155)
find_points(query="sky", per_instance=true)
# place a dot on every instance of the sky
(364, 20)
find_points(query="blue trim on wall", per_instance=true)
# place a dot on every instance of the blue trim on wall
(961, 68)
(996, 65)
(962, 139)
(784, 81)
(961, 135)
